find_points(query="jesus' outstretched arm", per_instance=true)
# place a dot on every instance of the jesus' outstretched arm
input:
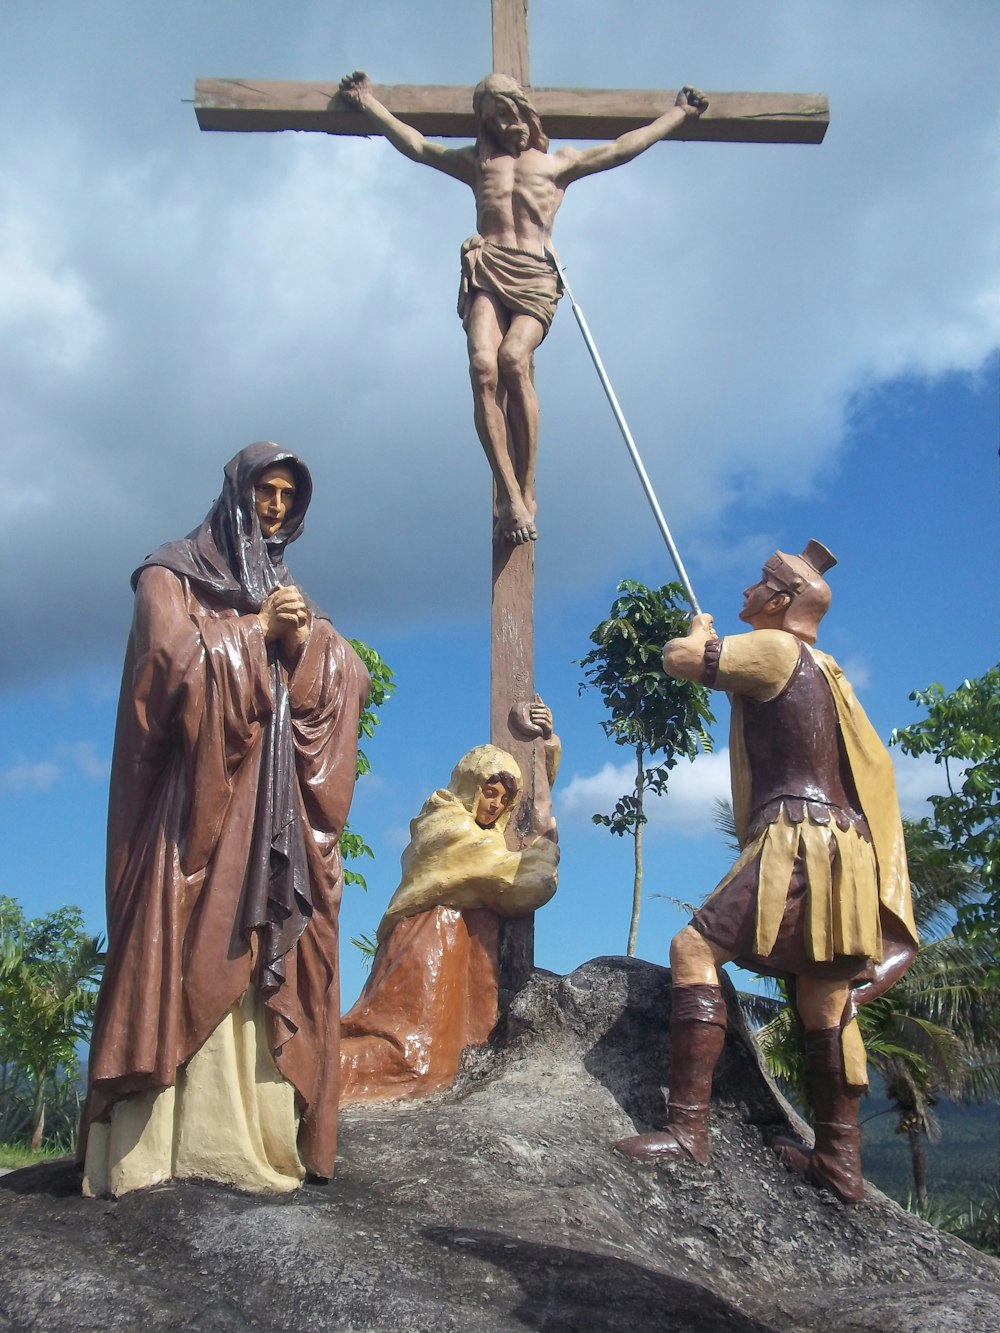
(356, 89)
(574, 163)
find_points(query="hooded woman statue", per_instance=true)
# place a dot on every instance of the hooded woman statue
(434, 982)
(215, 1042)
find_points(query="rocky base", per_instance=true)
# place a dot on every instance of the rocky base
(501, 1206)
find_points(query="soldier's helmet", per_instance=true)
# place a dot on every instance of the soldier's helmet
(801, 576)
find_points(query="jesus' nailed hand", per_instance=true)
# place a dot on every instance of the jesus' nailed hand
(510, 285)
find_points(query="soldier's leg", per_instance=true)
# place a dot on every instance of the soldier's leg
(697, 1035)
(835, 1161)
(695, 960)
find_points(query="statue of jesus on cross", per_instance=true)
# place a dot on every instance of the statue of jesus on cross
(510, 284)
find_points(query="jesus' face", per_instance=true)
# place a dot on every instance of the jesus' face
(506, 123)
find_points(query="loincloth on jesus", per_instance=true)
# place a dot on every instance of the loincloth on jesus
(524, 283)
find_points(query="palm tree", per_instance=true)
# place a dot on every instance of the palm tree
(49, 970)
(942, 1013)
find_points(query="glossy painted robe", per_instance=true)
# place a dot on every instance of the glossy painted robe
(203, 794)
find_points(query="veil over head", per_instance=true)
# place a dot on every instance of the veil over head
(451, 862)
(227, 555)
(474, 770)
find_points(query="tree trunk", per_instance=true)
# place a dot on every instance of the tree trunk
(919, 1162)
(38, 1116)
(633, 930)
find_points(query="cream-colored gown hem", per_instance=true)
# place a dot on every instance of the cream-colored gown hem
(230, 1117)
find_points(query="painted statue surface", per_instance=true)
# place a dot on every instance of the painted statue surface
(434, 982)
(215, 1043)
(509, 283)
(819, 895)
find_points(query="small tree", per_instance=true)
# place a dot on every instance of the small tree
(49, 976)
(651, 712)
(962, 730)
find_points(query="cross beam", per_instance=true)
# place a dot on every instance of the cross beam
(251, 105)
(510, 40)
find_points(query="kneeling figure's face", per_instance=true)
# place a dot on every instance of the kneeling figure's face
(493, 801)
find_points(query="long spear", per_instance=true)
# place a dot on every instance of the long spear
(627, 437)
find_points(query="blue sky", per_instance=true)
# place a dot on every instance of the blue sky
(805, 341)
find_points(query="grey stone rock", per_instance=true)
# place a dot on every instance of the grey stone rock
(502, 1206)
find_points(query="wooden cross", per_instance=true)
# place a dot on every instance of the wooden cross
(567, 113)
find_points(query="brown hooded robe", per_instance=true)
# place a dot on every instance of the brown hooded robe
(231, 781)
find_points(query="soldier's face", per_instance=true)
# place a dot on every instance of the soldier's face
(756, 611)
(506, 123)
(274, 497)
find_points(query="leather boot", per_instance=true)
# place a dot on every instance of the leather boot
(835, 1161)
(697, 1035)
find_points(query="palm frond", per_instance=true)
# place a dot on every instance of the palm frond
(760, 1010)
(941, 880)
(725, 821)
(367, 946)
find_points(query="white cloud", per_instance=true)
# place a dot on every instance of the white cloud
(687, 807)
(29, 776)
(83, 757)
(689, 804)
(917, 777)
(858, 672)
(44, 312)
(67, 761)
(48, 319)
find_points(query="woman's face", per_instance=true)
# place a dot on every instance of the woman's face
(493, 801)
(274, 497)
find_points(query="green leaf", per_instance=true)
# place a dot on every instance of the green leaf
(961, 730)
(352, 845)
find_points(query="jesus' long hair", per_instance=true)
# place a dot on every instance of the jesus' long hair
(502, 85)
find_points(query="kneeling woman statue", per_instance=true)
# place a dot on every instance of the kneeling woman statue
(433, 985)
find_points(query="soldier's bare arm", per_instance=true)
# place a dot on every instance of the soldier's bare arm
(685, 657)
(356, 90)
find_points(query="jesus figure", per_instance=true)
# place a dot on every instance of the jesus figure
(510, 283)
